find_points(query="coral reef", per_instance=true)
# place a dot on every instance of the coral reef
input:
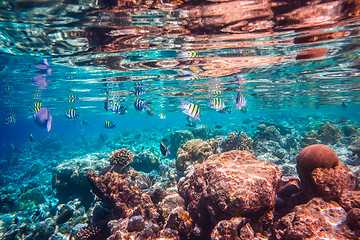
(310, 138)
(178, 138)
(121, 159)
(195, 150)
(329, 133)
(69, 178)
(311, 157)
(146, 162)
(201, 132)
(30, 199)
(355, 148)
(350, 130)
(326, 217)
(231, 184)
(237, 141)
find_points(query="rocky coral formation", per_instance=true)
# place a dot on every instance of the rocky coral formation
(69, 178)
(146, 162)
(121, 160)
(310, 138)
(314, 220)
(355, 148)
(237, 141)
(350, 130)
(195, 150)
(232, 184)
(201, 132)
(311, 157)
(178, 138)
(329, 133)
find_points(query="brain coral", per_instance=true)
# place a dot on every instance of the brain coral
(195, 150)
(121, 158)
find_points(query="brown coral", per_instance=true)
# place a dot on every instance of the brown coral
(329, 133)
(311, 157)
(121, 160)
(195, 150)
(237, 141)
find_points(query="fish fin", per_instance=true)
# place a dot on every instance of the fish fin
(48, 125)
(183, 103)
(168, 150)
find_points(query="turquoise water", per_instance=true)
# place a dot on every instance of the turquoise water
(293, 73)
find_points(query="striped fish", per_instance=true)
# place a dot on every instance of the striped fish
(217, 104)
(140, 104)
(10, 120)
(139, 89)
(72, 98)
(240, 101)
(37, 107)
(72, 113)
(190, 109)
(109, 125)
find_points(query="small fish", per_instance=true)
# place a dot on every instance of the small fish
(217, 92)
(218, 126)
(239, 79)
(139, 89)
(109, 125)
(150, 112)
(37, 107)
(72, 113)
(106, 104)
(72, 98)
(343, 105)
(31, 137)
(10, 120)
(338, 121)
(43, 118)
(162, 116)
(189, 54)
(225, 110)
(42, 66)
(190, 109)
(164, 150)
(217, 104)
(65, 214)
(117, 108)
(140, 104)
(240, 101)
(121, 110)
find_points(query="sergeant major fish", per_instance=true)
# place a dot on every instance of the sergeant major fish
(217, 104)
(109, 125)
(240, 101)
(140, 104)
(190, 109)
(72, 113)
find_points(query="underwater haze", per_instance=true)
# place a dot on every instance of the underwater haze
(123, 88)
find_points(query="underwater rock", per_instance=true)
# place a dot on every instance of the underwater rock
(195, 150)
(329, 133)
(310, 138)
(180, 221)
(69, 178)
(145, 162)
(44, 229)
(30, 199)
(171, 202)
(267, 133)
(237, 141)
(201, 132)
(331, 183)
(353, 220)
(121, 160)
(311, 157)
(135, 223)
(350, 130)
(355, 148)
(316, 219)
(178, 138)
(89, 232)
(225, 229)
(120, 193)
(231, 184)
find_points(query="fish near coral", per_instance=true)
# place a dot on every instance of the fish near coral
(43, 118)
(65, 214)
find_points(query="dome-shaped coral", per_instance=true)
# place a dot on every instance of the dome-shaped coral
(122, 157)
